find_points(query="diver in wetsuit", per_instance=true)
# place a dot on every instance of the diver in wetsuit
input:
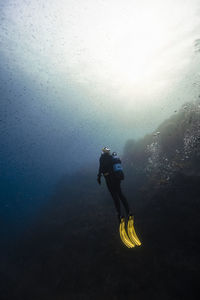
(109, 166)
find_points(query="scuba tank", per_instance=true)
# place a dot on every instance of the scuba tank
(117, 167)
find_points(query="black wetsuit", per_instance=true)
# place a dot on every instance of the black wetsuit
(113, 183)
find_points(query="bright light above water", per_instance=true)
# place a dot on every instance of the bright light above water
(127, 52)
(134, 47)
(126, 45)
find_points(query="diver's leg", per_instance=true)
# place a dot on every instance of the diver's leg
(122, 197)
(114, 195)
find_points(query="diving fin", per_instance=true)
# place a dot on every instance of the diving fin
(131, 232)
(123, 235)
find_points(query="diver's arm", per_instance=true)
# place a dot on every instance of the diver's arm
(100, 172)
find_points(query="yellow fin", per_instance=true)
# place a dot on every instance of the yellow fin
(131, 232)
(123, 235)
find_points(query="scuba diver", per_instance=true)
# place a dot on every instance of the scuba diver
(110, 167)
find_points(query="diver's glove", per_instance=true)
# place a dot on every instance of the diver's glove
(99, 179)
